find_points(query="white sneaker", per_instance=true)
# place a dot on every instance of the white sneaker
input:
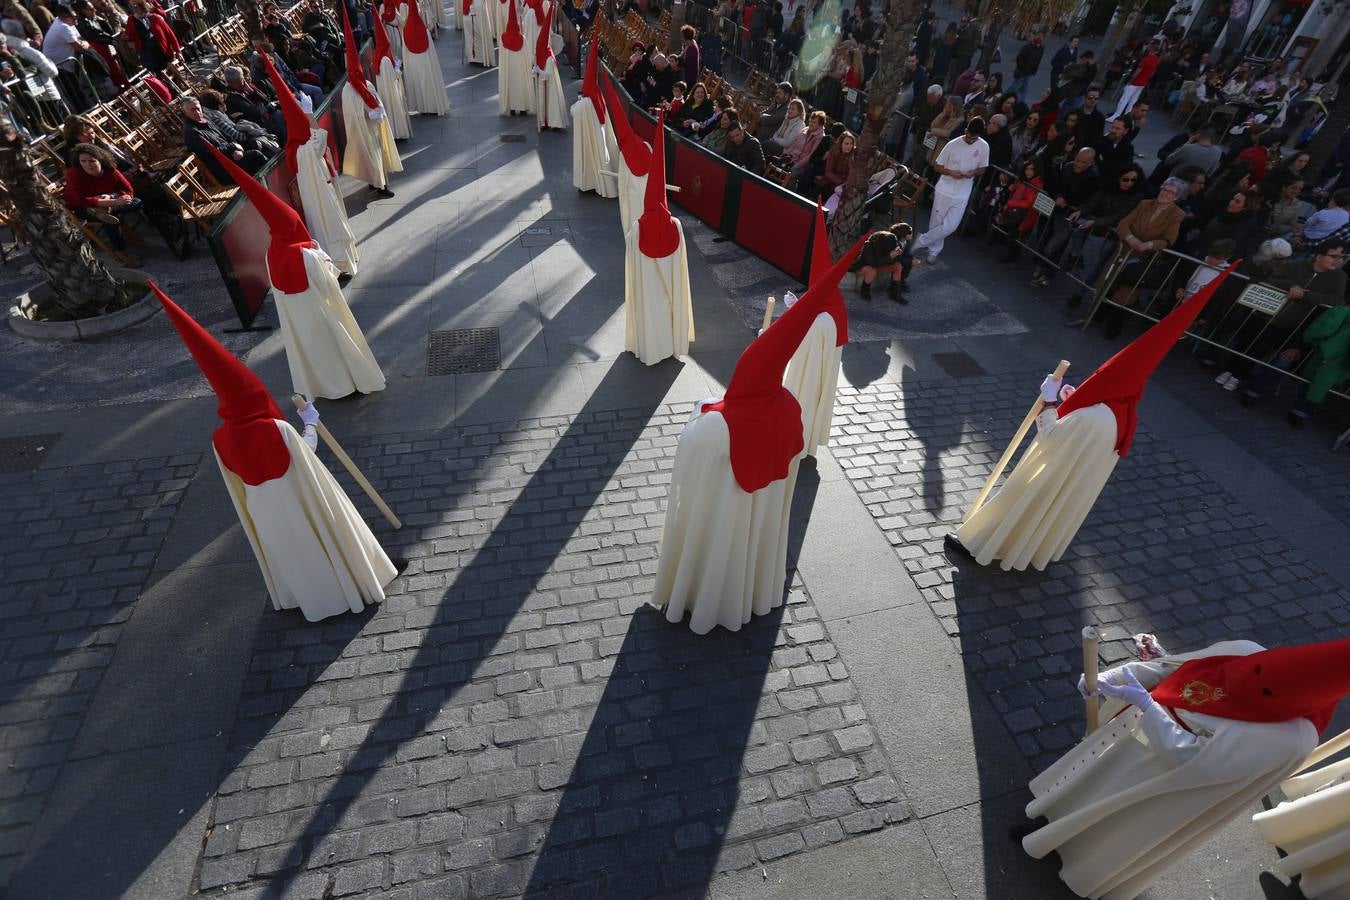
(1232, 383)
(1222, 379)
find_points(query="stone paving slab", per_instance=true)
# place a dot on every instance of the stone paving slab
(1165, 550)
(78, 545)
(515, 718)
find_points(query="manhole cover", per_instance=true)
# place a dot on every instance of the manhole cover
(463, 350)
(513, 139)
(959, 365)
(25, 453)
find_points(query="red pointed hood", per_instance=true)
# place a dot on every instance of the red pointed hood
(512, 38)
(383, 49)
(415, 37)
(820, 264)
(1119, 382)
(390, 10)
(658, 235)
(590, 85)
(247, 440)
(763, 418)
(285, 262)
(297, 123)
(356, 75)
(636, 154)
(543, 49)
(1273, 685)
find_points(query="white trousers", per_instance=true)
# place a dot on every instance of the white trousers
(942, 221)
(1128, 98)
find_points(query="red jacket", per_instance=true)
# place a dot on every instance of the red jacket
(1023, 196)
(167, 39)
(1259, 159)
(1147, 66)
(83, 189)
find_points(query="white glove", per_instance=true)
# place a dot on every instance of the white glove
(1082, 688)
(310, 437)
(1123, 686)
(789, 298)
(398, 65)
(306, 104)
(375, 114)
(1050, 388)
(309, 415)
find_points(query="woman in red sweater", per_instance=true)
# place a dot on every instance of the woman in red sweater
(1018, 216)
(95, 190)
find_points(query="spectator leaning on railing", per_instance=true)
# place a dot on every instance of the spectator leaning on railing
(743, 149)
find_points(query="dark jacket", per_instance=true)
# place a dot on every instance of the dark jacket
(1028, 60)
(1000, 148)
(1076, 79)
(1108, 206)
(877, 251)
(1075, 187)
(748, 154)
(1113, 158)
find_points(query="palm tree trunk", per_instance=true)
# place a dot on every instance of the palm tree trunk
(847, 225)
(80, 285)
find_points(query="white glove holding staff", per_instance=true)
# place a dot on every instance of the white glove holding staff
(1123, 686)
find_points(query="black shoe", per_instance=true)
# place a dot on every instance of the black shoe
(383, 193)
(1074, 301)
(865, 291)
(954, 547)
(344, 279)
(400, 564)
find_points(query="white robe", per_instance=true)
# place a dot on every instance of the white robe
(1129, 801)
(315, 551)
(438, 14)
(370, 155)
(515, 83)
(423, 85)
(325, 213)
(590, 154)
(389, 87)
(500, 15)
(480, 34)
(658, 308)
(325, 348)
(457, 12)
(1313, 827)
(550, 104)
(813, 376)
(632, 194)
(1032, 519)
(723, 551)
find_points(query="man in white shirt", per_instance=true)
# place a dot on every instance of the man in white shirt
(62, 41)
(960, 163)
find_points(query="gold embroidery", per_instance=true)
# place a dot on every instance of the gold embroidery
(1199, 693)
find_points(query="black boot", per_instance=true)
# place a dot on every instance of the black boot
(865, 291)
(894, 291)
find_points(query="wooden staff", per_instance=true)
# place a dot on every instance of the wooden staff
(1325, 751)
(1007, 456)
(768, 314)
(300, 403)
(1090, 639)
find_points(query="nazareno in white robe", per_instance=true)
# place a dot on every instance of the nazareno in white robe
(1313, 828)
(325, 347)
(813, 376)
(481, 32)
(658, 308)
(724, 551)
(438, 14)
(550, 104)
(632, 194)
(1129, 801)
(389, 88)
(590, 153)
(423, 86)
(325, 213)
(370, 154)
(316, 552)
(1032, 519)
(515, 81)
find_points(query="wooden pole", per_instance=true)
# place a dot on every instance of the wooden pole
(768, 314)
(1090, 639)
(1007, 456)
(1325, 751)
(300, 403)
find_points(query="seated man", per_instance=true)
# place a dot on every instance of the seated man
(244, 101)
(198, 133)
(744, 149)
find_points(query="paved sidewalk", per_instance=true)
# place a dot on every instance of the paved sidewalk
(516, 719)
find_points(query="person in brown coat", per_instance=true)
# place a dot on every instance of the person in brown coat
(1149, 228)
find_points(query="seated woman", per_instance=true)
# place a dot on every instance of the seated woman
(838, 162)
(793, 123)
(95, 190)
(695, 111)
(1017, 216)
(716, 139)
(798, 152)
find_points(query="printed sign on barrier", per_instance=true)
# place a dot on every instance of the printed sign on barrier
(1262, 298)
(930, 141)
(1044, 204)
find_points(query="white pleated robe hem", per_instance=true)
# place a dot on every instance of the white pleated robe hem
(423, 86)
(480, 34)
(316, 552)
(550, 103)
(1034, 517)
(389, 87)
(325, 348)
(813, 377)
(515, 84)
(658, 307)
(632, 195)
(1313, 828)
(590, 154)
(723, 551)
(1122, 814)
(366, 156)
(325, 213)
